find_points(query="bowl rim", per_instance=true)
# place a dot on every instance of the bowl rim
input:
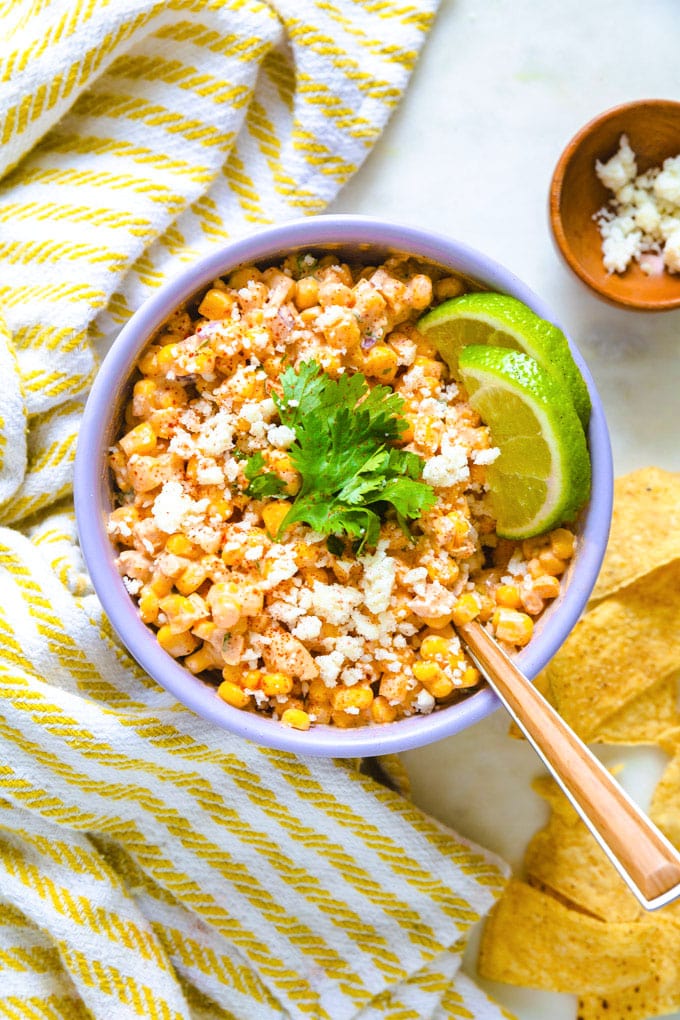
(555, 194)
(91, 471)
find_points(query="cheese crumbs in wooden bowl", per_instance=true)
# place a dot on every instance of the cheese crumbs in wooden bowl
(607, 217)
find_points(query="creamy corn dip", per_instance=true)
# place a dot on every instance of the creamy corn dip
(305, 626)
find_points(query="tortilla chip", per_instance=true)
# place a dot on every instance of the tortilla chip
(670, 742)
(645, 529)
(618, 649)
(573, 925)
(566, 860)
(646, 719)
(657, 995)
(532, 940)
(547, 788)
(665, 806)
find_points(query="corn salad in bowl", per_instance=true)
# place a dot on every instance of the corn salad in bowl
(296, 503)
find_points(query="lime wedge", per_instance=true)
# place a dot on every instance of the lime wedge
(502, 321)
(542, 475)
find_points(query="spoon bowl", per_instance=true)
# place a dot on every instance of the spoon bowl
(576, 194)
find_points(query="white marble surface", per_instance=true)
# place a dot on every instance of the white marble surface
(501, 87)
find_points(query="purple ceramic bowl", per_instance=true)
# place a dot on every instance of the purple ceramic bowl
(351, 236)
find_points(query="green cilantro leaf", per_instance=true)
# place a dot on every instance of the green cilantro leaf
(351, 474)
(303, 392)
(263, 484)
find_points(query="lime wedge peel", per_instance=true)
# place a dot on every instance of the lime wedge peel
(484, 317)
(542, 476)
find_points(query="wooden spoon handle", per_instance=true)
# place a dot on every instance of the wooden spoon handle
(643, 856)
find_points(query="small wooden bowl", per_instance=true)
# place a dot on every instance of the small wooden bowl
(576, 194)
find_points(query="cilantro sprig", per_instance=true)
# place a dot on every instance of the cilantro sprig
(351, 473)
(262, 483)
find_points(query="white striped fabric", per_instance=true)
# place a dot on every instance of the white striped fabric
(150, 864)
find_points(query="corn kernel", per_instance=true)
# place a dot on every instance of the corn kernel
(318, 693)
(562, 543)
(146, 473)
(357, 696)
(141, 439)
(346, 720)
(148, 606)
(224, 605)
(547, 586)
(297, 718)
(460, 528)
(419, 291)
(341, 329)
(272, 515)
(551, 564)
(274, 684)
(143, 394)
(167, 356)
(333, 293)
(437, 622)
(466, 608)
(191, 578)
(440, 687)
(233, 694)
(216, 304)
(252, 601)
(381, 362)
(448, 287)
(161, 585)
(487, 607)
(147, 364)
(203, 658)
(427, 432)
(382, 711)
(251, 680)
(446, 571)
(394, 687)
(180, 545)
(434, 647)
(306, 293)
(183, 612)
(220, 507)
(508, 595)
(309, 315)
(512, 626)
(426, 671)
(243, 276)
(535, 567)
(532, 602)
(176, 645)
(470, 678)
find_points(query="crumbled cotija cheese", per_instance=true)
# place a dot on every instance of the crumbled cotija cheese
(642, 220)
(449, 467)
(487, 456)
(378, 578)
(335, 603)
(308, 628)
(170, 506)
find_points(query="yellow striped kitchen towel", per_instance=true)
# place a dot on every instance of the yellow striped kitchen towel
(152, 865)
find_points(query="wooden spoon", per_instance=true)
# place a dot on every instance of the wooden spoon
(642, 855)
